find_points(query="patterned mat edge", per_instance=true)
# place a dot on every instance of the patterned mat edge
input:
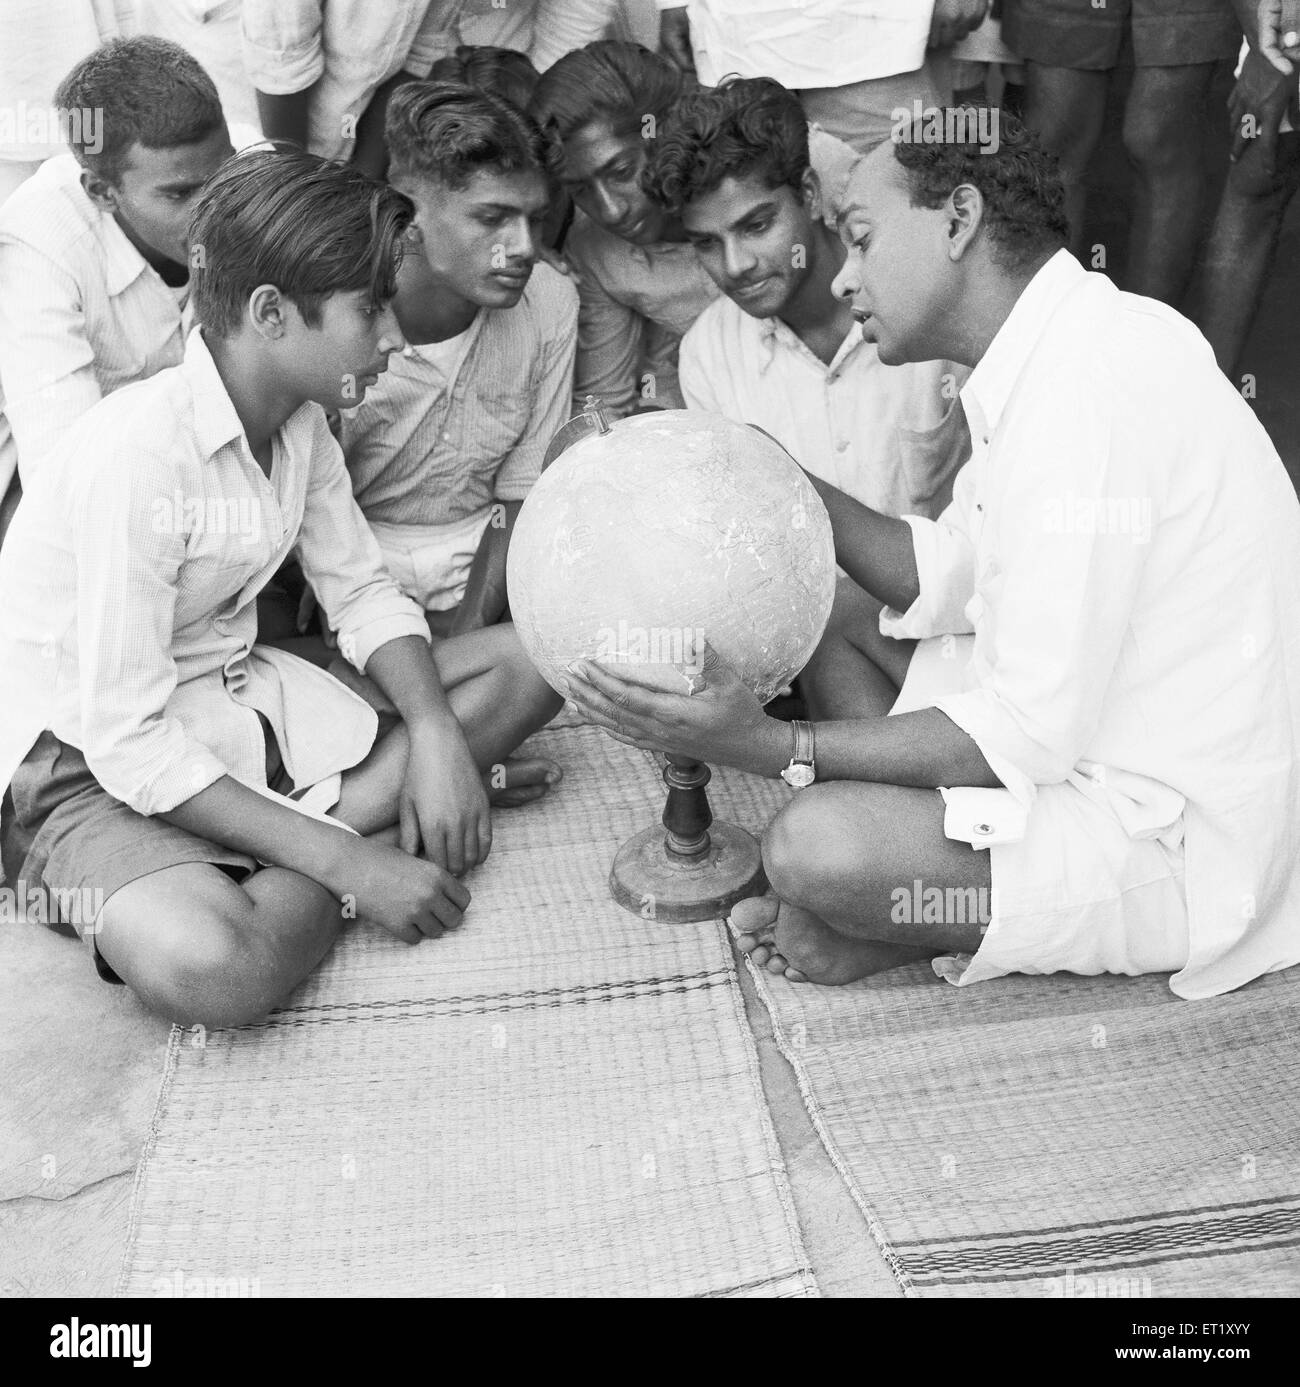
(791, 1054)
(170, 1064)
(801, 1269)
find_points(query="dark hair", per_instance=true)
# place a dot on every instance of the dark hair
(148, 91)
(498, 71)
(1020, 182)
(742, 126)
(310, 226)
(449, 131)
(621, 83)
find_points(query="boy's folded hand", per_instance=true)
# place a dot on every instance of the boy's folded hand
(443, 807)
(408, 896)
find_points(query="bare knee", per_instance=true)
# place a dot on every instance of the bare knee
(203, 968)
(803, 847)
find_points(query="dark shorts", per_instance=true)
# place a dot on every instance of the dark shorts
(65, 838)
(1140, 33)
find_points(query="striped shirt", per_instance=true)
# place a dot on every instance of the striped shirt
(82, 313)
(639, 301)
(128, 587)
(426, 450)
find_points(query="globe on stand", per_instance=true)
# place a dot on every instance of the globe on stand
(642, 539)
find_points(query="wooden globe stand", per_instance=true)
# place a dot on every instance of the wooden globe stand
(693, 868)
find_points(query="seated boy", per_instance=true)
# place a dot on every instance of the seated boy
(641, 284)
(210, 791)
(444, 449)
(779, 349)
(94, 259)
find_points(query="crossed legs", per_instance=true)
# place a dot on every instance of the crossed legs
(201, 948)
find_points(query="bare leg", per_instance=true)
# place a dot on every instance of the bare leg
(1066, 107)
(1164, 137)
(200, 949)
(1242, 245)
(855, 672)
(498, 699)
(845, 860)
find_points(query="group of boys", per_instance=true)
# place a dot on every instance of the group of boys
(226, 374)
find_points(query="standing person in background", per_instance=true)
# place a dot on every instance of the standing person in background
(1263, 176)
(641, 284)
(853, 62)
(1071, 49)
(209, 31)
(39, 41)
(325, 69)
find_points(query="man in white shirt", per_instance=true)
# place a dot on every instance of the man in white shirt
(1097, 644)
(94, 256)
(204, 794)
(853, 62)
(780, 350)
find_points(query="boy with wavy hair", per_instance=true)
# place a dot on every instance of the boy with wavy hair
(210, 795)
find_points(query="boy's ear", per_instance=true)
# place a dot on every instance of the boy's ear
(99, 190)
(267, 312)
(811, 188)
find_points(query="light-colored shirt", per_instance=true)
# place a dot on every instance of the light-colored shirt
(638, 301)
(812, 43)
(40, 43)
(209, 31)
(544, 29)
(428, 448)
(1125, 546)
(891, 437)
(128, 586)
(343, 50)
(82, 313)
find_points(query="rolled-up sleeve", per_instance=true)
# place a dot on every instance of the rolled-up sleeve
(341, 560)
(282, 44)
(945, 568)
(127, 573)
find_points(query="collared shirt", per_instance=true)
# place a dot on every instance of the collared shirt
(1125, 546)
(128, 586)
(423, 449)
(82, 313)
(638, 301)
(816, 43)
(891, 437)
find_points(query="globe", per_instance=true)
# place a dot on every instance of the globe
(673, 527)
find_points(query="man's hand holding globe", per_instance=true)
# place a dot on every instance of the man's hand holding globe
(721, 722)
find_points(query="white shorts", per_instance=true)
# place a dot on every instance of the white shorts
(1071, 891)
(431, 563)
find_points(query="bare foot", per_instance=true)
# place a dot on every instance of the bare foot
(794, 943)
(526, 779)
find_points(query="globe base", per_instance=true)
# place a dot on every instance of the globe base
(657, 884)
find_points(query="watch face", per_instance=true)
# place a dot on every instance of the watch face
(798, 776)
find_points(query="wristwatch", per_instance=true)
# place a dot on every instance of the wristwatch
(802, 770)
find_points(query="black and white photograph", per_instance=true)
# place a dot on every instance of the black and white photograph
(649, 651)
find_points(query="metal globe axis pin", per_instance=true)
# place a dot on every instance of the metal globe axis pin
(692, 869)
